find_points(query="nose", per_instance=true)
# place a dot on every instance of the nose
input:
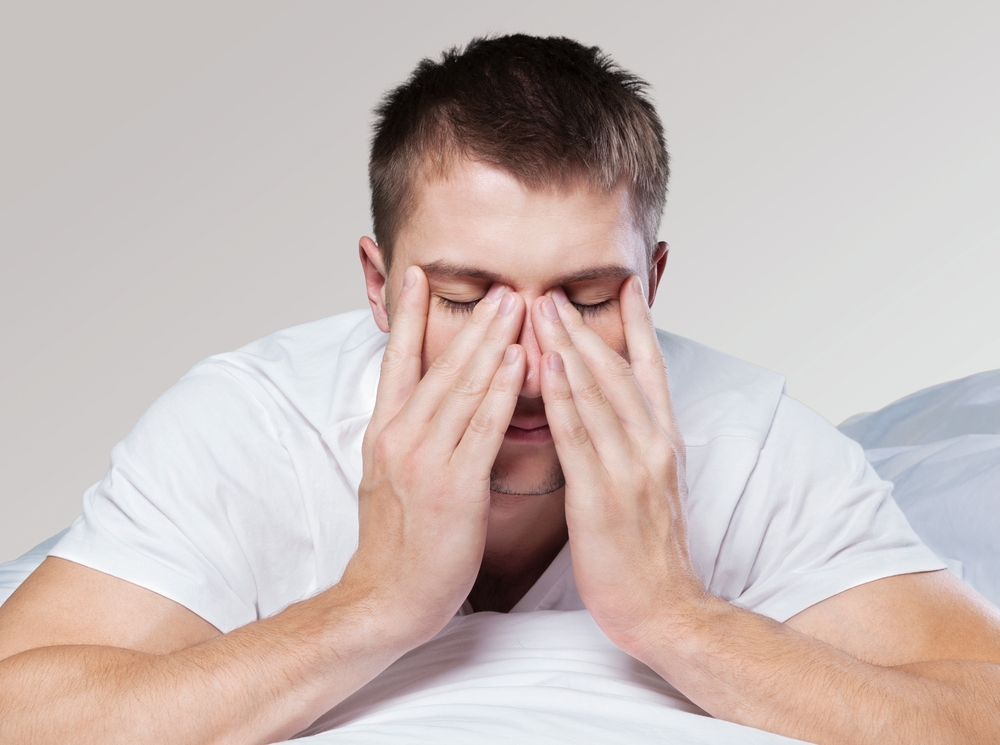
(532, 386)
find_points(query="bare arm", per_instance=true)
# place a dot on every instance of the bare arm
(86, 658)
(136, 667)
(905, 659)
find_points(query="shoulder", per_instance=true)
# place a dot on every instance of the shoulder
(717, 395)
(286, 410)
(312, 345)
(314, 373)
(783, 509)
(801, 442)
(234, 494)
(815, 520)
(332, 352)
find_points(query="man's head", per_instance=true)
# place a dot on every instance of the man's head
(533, 162)
(547, 111)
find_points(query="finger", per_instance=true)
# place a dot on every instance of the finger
(426, 398)
(645, 355)
(610, 368)
(483, 437)
(400, 372)
(590, 399)
(574, 444)
(650, 368)
(467, 391)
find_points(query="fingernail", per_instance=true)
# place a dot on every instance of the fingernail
(506, 305)
(549, 309)
(496, 291)
(637, 286)
(409, 278)
(559, 296)
(510, 356)
(556, 362)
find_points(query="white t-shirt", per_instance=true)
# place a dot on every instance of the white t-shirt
(235, 494)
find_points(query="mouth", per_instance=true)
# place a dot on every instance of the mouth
(528, 430)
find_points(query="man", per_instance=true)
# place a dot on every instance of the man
(274, 533)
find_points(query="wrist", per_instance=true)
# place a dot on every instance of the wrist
(382, 614)
(676, 629)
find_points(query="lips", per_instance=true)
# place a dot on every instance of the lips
(528, 423)
(528, 428)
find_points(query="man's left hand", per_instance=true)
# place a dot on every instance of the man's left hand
(623, 459)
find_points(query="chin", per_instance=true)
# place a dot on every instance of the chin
(531, 473)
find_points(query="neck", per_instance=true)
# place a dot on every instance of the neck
(525, 534)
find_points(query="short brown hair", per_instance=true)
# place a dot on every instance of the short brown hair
(546, 110)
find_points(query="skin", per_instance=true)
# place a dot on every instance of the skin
(454, 503)
(479, 228)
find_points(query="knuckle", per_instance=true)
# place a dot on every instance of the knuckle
(384, 446)
(502, 383)
(468, 385)
(576, 434)
(661, 460)
(484, 422)
(446, 365)
(591, 394)
(562, 344)
(562, 394)
(653, 361)
(393, 358)
(664, 459)
(616, 366)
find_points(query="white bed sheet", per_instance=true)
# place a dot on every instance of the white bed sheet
(542, 677)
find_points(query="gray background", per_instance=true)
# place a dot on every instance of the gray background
(179, 178)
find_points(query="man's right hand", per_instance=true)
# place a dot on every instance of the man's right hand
(428, 454)
(89, 658)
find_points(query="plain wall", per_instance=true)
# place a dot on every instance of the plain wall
(177, 179)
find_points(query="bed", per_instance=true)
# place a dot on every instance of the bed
(492, 677)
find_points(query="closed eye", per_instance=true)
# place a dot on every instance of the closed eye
(592, 310)
(456, 306)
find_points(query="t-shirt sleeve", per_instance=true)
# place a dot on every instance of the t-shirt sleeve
(820, 520)
(179, 510)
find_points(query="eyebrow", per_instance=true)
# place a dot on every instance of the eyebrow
(449, 270)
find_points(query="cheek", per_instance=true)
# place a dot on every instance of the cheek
(440, 330)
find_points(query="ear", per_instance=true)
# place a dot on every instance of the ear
(375, 280)
(657, 264)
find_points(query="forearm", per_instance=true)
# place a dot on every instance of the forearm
(747, 668)
(261, 683)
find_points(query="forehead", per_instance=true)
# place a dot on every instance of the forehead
(482, 218)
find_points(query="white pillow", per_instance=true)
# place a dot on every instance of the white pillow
(968, 406)
(941, 449)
